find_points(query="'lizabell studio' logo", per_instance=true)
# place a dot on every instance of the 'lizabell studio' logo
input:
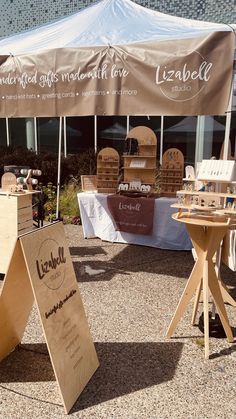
(183, 79)
(50, 264)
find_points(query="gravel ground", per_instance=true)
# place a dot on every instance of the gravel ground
(129, 294)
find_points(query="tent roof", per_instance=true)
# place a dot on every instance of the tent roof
(189, 124)
(114, 131)
(108, 22)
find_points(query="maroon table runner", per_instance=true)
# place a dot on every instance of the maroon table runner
(132, 215)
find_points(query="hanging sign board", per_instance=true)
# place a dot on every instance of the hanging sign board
(55, 289)
(189, 76)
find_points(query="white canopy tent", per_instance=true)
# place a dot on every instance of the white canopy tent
(108, 22)
(117, 58)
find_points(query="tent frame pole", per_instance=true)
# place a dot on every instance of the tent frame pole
(59, 167)
(95, 135)
(7, 132)
(35, 136)
(227, 126)
(127, 125)
(161, 138)
(65, 136)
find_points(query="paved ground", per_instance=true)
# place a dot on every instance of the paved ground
(129, 294)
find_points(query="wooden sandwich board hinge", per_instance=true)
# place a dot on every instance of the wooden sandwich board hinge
(41, 269)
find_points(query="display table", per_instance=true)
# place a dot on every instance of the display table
(206, 233)
(166, 234)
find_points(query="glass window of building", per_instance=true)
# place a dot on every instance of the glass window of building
(180, 132)
(17, 132)
(111, 132)
(212, 134)
(79, 134)
(48, 134)
(3, 131)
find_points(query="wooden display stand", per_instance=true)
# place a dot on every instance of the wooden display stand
(107, 170)
(141, 167)
(208, 217)
(206, 234)
(172, 172)
(212, 173)
(41, 269)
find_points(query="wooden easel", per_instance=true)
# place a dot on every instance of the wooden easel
(41, 269)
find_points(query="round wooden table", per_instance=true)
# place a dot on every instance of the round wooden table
(206, 233)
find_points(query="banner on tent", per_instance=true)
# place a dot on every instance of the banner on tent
(184, 77)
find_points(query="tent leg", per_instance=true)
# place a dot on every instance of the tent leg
(59, 167)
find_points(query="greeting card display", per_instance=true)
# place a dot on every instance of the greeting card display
(107, 170)
(172, 172)
(217, 170)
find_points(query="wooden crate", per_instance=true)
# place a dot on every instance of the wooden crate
(15, 219)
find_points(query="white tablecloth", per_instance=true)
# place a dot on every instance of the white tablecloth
(97, 222)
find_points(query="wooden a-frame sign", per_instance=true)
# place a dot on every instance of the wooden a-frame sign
(41, 269)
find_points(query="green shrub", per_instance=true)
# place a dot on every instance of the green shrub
(68, 202)
(72, 167)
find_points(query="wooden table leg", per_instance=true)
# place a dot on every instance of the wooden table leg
(196, 302)
(206, 242)
(190, 288)
(218, 299)
(227, 298)
(205, 308)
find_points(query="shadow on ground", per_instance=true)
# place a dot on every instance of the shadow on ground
(87, 251)
(131, 259)
(134, 258)
(128, 367)
(124, 368)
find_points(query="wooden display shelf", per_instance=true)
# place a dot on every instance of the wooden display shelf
(107, 170)
(172, 183)
(108, 180)
(135, 168)
(145, 172)
(170, 174)
(196, 208)
(144, 177)
(172, 168)
(220, 194)
(226, 211)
